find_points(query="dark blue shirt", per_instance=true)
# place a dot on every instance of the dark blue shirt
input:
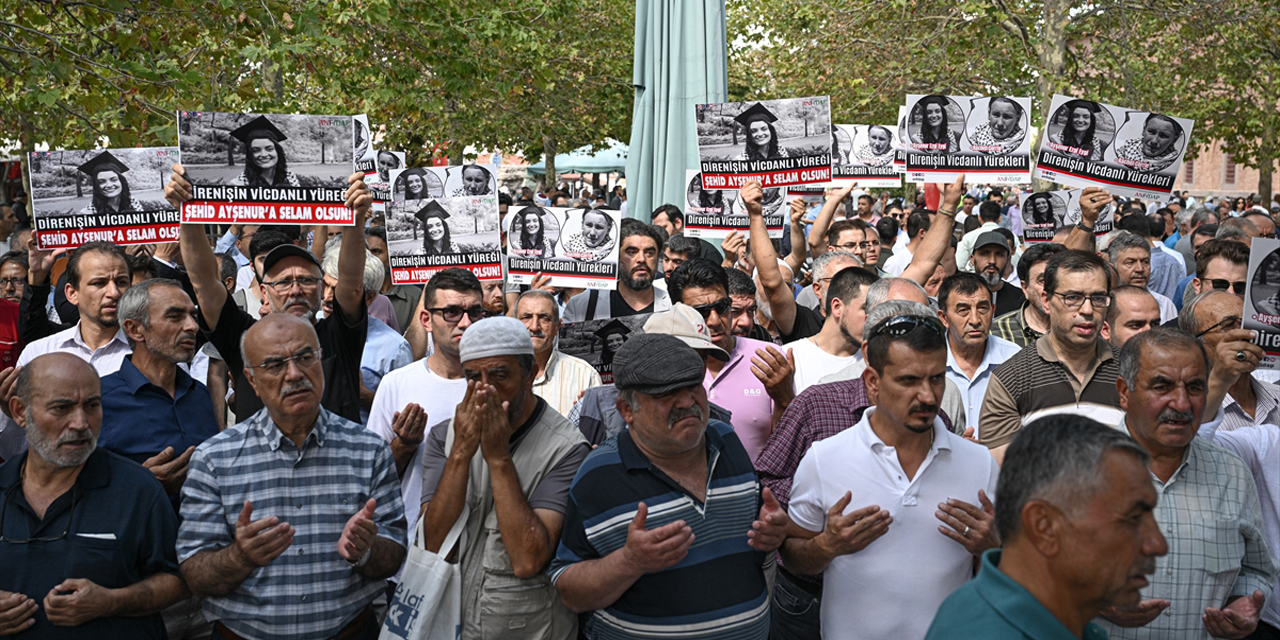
(120, 529)
(139, 419)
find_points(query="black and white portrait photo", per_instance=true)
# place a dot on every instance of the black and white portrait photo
(416, 185)
(590, 235)
(1264, 286)
(1150, 142)
(445, 226)
(866, 155)
(935, 124)
(596, 341)
(471, 180)
(1081, 129)
(114, 194)
(778, 142)
(997, 125)
(532, 232)
(388, 161)
(706, 201)
(363, 139)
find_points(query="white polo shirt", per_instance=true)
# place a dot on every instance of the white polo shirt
(973, 391)
(894, 586)
(812, 363)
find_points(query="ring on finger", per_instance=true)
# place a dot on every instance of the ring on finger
(1240, 356)
(966, 531)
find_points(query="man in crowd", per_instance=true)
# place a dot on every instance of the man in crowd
(1132, 311)
(277, 576)
(838, 344)
(742, 314)
(1025, 325)
(824, 268)
(13, 276)
(1163, 272)
(291, 283)
(1199, 217)
(1219, 569)
(1069, 369)
(917, 226)
(906, 351)
(756, 383)
(560, 378)
(990, 258)
(989, 215)
(669, 217)
(965, 307)
(504, 458)
(88, 537)
(1130, 255)
(640, 246)
(678, 249)
(403, 297)
(1239, 229)
(711, 522)
(1201, 237)
(1075, 511)
(1221, 265)
(1262, 220)
(1212, 317)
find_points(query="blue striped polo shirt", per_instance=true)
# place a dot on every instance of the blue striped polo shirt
(718, 590)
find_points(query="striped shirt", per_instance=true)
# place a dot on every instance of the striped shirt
(1013, 327)
(1210, 515)
(309, 591)
(718, 590)
(563, 380)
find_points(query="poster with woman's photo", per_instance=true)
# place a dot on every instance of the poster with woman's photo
(1044, 212)
(719, 213)
(900, 155)
(266, 169)
(115, 195)
(1262, 299)
(427, 232)
(596, 341)
(576, 248)
(864, 153)
(1126, 151)
(364, 154)
(778, 142)
(986, 138)
(379, 178)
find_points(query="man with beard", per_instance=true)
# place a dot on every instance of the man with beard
(88, 537)
(964, 305)
(1219, 569)
(637, 266)
(506, 458)
(13, 275)
(561, 378)
(742, 314)
(990, 257)
(13, 282)
(291, 283)
(877, 483)
(1068, 370)
(838, 344)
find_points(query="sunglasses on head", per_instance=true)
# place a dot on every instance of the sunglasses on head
(899, 326)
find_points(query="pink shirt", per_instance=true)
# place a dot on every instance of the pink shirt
(741, 392)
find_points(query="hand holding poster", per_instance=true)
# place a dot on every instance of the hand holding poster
(715, 214)
(985, 138)
(778, 142)
(864, 154)
(259, 169)
(596, 341)
(1045, 212)
(574, 247)
(1128, 152)
(115, 195)
(1262, 299)
(427, 232)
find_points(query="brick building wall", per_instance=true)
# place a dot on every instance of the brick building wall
(1213, 173)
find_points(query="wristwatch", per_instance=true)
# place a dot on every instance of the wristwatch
(1080, 226)
(364, 559)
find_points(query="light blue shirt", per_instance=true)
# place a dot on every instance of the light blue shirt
(228, 243)
(384, 352)
(975, 390)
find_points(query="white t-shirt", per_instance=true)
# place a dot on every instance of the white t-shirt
(439, 397)
(898, 262)
(812, 363)
(913, 566)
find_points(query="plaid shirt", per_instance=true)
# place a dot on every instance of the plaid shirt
(1013, 327)
(308, 592)
(1210, 514)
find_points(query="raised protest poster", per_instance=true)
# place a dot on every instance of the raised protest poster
(364, 155)
(864, 154)
(1262, 299)
(715, 213)
(1043, 213)
(900, 156)
(778, 142)
(379, 179)
(596, 341)
(576, 248)
(266, 169)
(428, 231)
(1126, 151)
(985, 138)
(115, 195)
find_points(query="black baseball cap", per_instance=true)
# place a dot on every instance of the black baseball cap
(285, 251)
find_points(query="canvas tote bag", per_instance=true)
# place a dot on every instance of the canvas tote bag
(428, 601)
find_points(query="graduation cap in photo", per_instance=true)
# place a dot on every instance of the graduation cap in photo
(102, 162)
(614, 327)
(755, 112)
(432, 210)
(259, 127)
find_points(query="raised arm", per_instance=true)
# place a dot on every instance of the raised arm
(782, 301)
(818, 233)
(197, 255)
(796, 258)
(926, 258)
(1092, 201)
(350, 290)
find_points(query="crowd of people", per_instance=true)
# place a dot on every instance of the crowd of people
(898, 421)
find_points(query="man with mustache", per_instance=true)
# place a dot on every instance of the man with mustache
(1219, 569)
(88, 537)
(1214, 318)
(503, 465)
(990, 257)
(1070, 369)
(637, 266)
(668, 533)
(561, 378)
(1074, 508)
(966, 310)
(863, 501)
(291, 283)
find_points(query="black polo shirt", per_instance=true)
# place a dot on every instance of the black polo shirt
(342, 345)
(120, 529)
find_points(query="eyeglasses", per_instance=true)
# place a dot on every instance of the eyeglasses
(1229, 322)
(16, 282)
(721, 307)
(453, 313)
(899, 326)
(1076, 300)
(276, 366)
(281, 286)
(1218, 285)
(4, 511)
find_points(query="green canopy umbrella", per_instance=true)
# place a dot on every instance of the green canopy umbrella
(680, 61)
(583, 160)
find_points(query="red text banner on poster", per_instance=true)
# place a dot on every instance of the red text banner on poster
(711, 179)
(418, 269)
(144, 234)
(205, 212)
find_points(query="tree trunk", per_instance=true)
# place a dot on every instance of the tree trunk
(549, 152)
(1051, 49)
(1270, 149)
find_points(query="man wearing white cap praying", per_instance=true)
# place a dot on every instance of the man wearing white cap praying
(503, 464)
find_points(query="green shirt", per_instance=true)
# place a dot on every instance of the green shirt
(994, 607)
